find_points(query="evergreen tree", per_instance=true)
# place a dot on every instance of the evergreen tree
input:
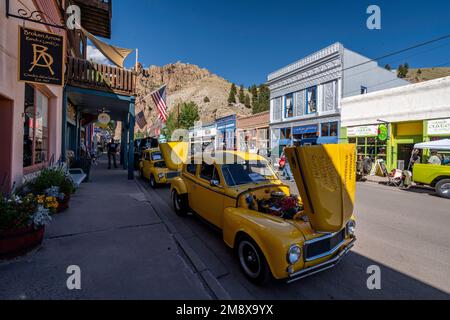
(188, 115)
(402, 70)
(254, 92)
(247, 101)
(241, 94)
(232, 96)
(263, 101)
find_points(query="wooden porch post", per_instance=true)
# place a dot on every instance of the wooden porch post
(124, 144)
(131, 121)
(64, 126)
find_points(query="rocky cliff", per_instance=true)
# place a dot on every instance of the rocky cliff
(186, 82)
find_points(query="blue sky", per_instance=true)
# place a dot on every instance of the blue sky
(244, 40)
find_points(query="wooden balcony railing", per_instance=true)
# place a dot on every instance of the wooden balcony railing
(91, 75)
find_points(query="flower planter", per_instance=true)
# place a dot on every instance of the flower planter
(63, 205)
(20, 241)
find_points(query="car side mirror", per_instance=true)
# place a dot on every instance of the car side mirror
(215, 183)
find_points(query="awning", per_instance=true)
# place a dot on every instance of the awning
(305, 129)
(327, 140)
(115, 54)
(434, 145)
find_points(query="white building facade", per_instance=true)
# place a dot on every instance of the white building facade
(414, 113)
(306, 95)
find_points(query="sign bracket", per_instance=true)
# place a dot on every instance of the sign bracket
(32, 16)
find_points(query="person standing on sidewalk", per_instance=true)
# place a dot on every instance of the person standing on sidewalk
(112, 151)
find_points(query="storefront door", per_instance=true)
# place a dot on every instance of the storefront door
(404, 154)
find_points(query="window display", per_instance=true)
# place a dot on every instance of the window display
(35, 127)
(371, 147)
(311, 99)
(289, 106)
(329, 129)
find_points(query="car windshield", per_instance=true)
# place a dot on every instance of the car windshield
(156, 156)
(160, 164)
(247, 172)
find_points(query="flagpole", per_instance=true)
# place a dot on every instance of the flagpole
(137, 60)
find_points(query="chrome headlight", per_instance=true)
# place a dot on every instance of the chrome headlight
(161, 175)
(351, 226)
(294, 254)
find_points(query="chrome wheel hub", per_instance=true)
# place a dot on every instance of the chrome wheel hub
(445, 188)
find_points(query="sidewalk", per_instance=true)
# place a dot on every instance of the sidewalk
(113, 234)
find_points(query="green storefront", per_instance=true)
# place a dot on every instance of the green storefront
(396, 150)
(368, 142)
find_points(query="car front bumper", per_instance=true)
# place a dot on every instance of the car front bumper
(322, 266)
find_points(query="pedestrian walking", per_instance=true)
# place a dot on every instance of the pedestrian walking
(287, 173)
(112, 151)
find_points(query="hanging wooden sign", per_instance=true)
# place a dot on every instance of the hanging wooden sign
(41, 57)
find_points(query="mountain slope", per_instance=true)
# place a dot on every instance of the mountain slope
(186, 82)
(425, 74)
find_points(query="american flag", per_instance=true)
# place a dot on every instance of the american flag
(140, 119)
(159, 98)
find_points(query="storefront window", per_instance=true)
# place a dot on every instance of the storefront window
(289, 106)
(35, 127)
(370, 147)
(329, 129)
(285, 133)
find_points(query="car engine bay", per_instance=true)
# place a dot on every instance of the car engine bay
(278, 204)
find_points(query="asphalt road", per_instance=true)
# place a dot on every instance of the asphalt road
(405, 233)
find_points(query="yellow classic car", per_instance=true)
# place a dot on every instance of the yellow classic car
(153, 167)
(273, 232)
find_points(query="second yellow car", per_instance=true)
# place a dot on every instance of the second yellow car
(153, 167)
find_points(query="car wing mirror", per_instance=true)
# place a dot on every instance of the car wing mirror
(215, 183)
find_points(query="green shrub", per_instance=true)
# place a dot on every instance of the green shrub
(52, 177)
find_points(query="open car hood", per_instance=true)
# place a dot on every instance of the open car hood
(326, 179)
(175, 154)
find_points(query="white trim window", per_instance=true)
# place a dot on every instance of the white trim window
(311, 102)
(276, 109)
(330, 94)
(289, 105)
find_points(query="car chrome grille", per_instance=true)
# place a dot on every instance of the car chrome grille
(171, 175)
(324, 246)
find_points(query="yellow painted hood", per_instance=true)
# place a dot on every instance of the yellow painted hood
(326, 179)
(175, 154)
